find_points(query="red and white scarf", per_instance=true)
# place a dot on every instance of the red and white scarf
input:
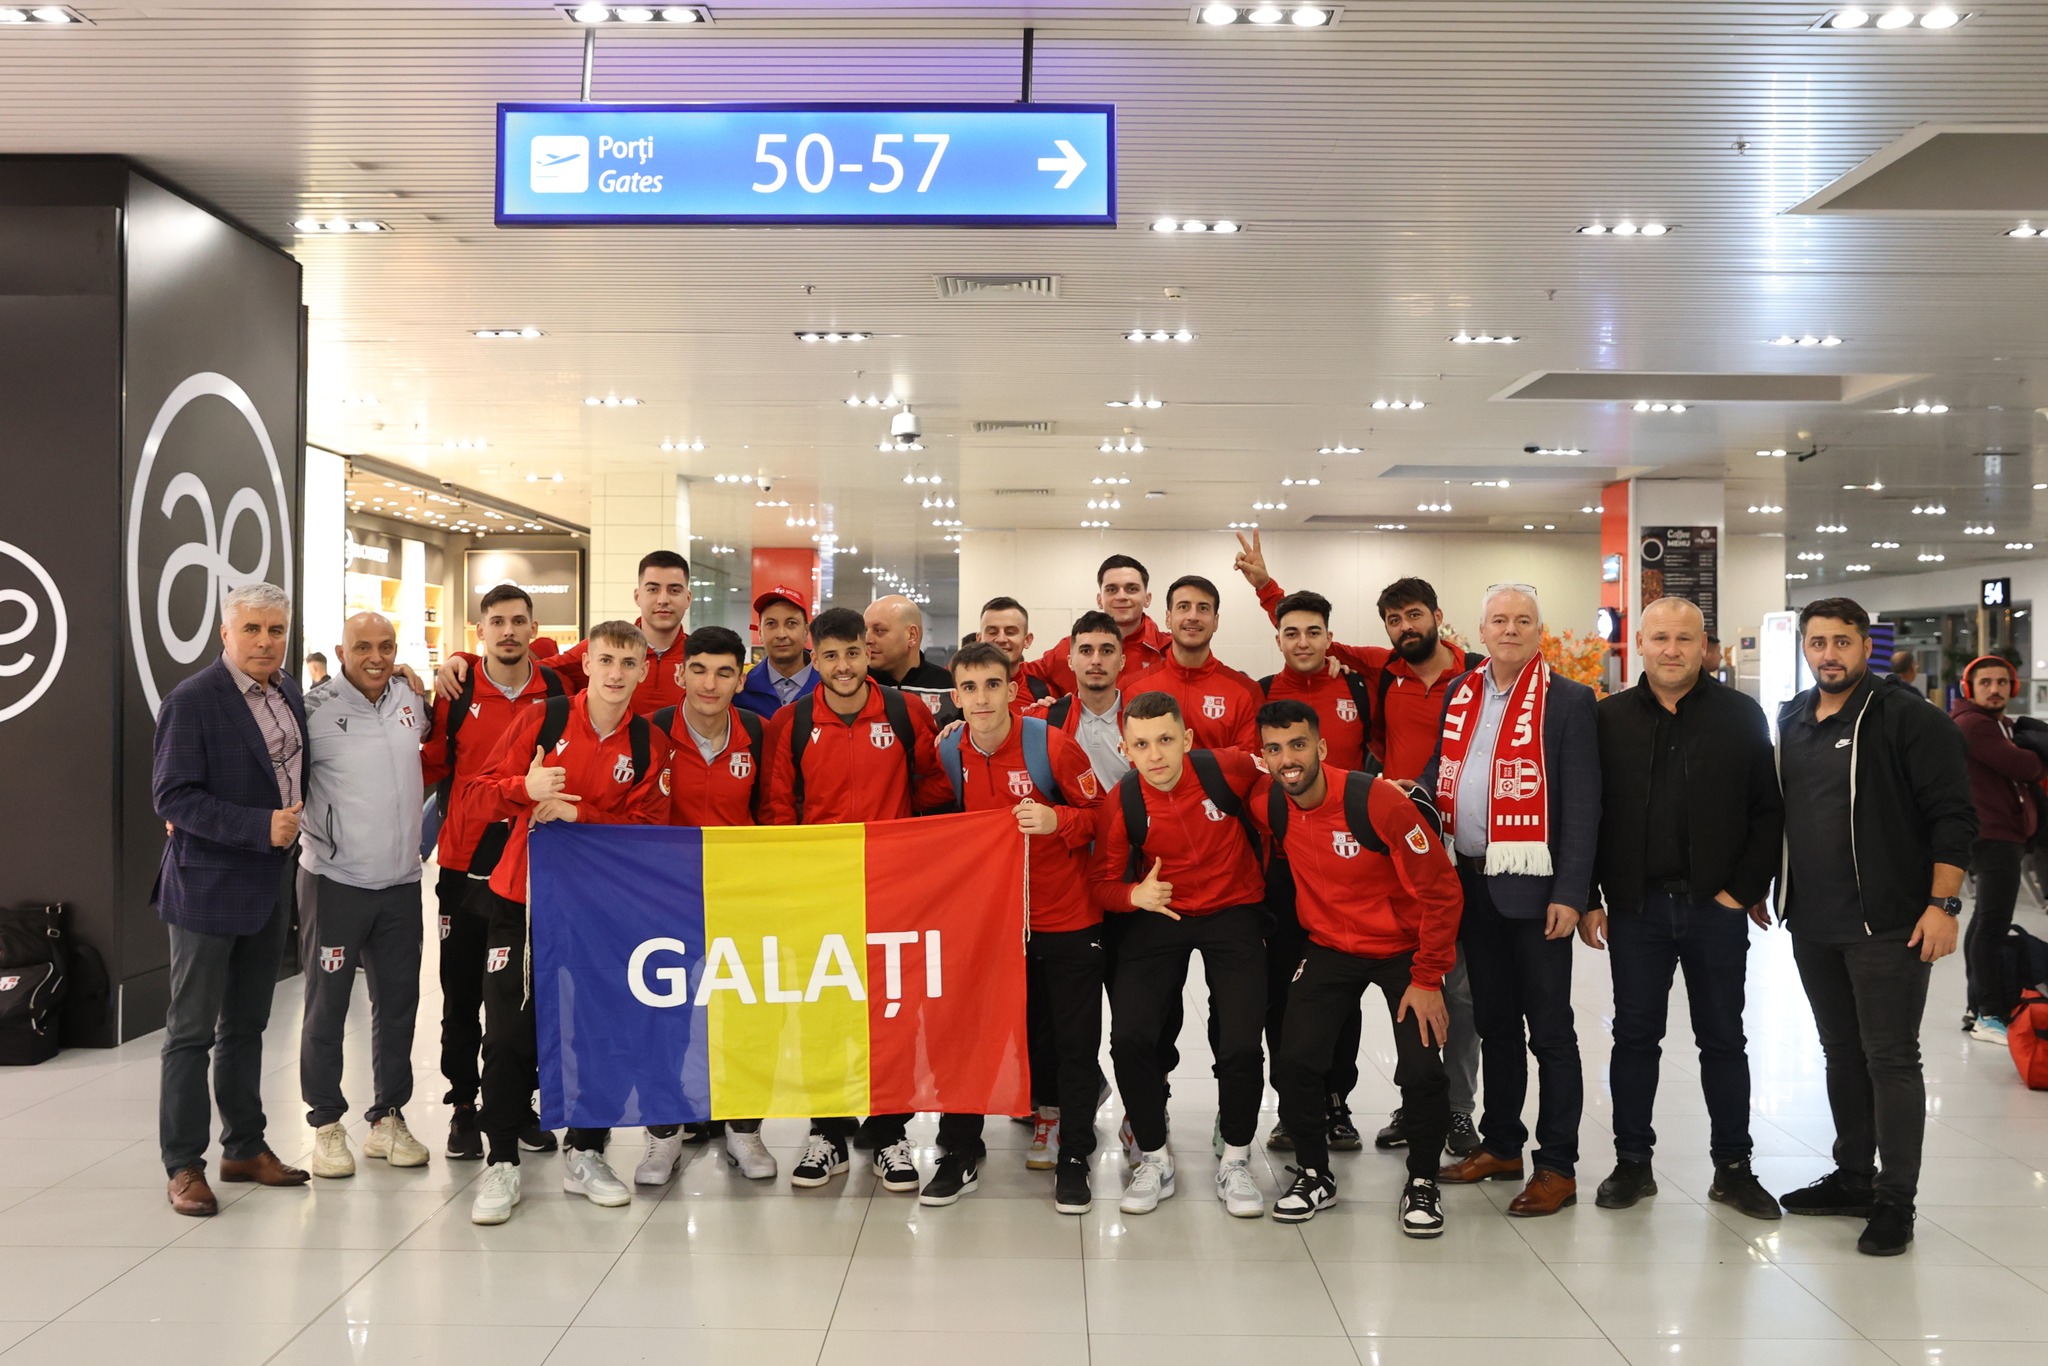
(1518, 788)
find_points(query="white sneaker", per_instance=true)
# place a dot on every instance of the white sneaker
(1238, 1192)
(750, 1155)
(392, 1141)
(1043, 1154)
(1151, 1182)
(496, 1194)
(331, 1156)
(664, 1155)
(587, 1174)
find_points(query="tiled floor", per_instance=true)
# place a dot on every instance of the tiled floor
(387, 1267)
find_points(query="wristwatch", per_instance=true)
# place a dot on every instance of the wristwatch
(1951, 905)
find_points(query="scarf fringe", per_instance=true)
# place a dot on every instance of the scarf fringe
(1528, 857)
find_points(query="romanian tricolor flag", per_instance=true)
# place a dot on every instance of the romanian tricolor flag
(682, 975)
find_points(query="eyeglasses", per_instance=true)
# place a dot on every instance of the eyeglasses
(1528, 588)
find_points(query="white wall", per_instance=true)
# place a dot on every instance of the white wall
(1053, 574)
(1888, 597)
(321, 589)
(1752, 583)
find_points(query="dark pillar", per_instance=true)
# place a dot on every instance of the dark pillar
(151, 440)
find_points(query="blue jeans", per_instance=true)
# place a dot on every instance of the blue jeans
(1520, 978)
(1710, 944)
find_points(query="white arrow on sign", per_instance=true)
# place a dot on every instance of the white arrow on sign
(1071, 163)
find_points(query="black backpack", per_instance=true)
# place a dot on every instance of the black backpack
(555, 723)
(1130, 795)
(33, 983)
(802, 714)
(458, 713)
(491, 845)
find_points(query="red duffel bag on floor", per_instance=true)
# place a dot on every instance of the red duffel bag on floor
(2026, 1034)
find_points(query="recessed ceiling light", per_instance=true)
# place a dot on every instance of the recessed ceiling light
(1432, 507)
(1105, 505)
(1109, 479)
(610, 401)
(56, 14)
(1856, 569)
(1932, 559)
(1884, 545)
(1594, 507)
(1390, 526)
(1264, 14)
(697, 445)
(1242, 526)
(1557, 450)
(1829, 527)
(1646, 405)
(1922, 408)
(1159, 335)
(1975, 530)
(593, 13)
(1899, 17)
(1292, 483)
(1095, 526)
(1398, 404)
(1483, 339)
(1940, 17)
(1806, 339)
(1775, 453)
(1627, 228)
(1269, 507)
(872, 401)
(1136, 401)
(1339, 449)
(1930, 510)
(834, 336)
(1848, 18)
(13, 16)
(1123, 445)
(507, 333)
(2019, 545)
(1765, 508)
(339, 223)
(1794, 578)
(2024, 230)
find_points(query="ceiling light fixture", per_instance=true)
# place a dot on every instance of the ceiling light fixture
(1932, 559)
(1390, 526)
(1980, 530)
(1264, 14)
(946, 521)
(593, 13)
(465, 443)
(1556, 450)
(1242, 526)
(508, 333)
(1644, 405)
(1793, 578)
(893, 447)
(1626, 228)
(1922, 408)
(771, 502)
(834, 336)
(1808, 339)
(914, 478)
(1105, 505)
(1484, 339)
(2024, 230)
(872, 401)
(1300, 483)
(2019, 545)
(696, 445)
(1775, 453)
(610, 401)
(1159, 335)
(1432, 507)
(1123, 445)
(931, 503)
(756, 480)
(1339, 449)
(1856, 569)
(1930, 510)
(1095, 526)
(338, 223)
(1811, 555)
(1398, 405)
(1134, 401)
(1222, 225)
(1830, 528)
(1765, 507)
(1269, 507)
(1884, 545)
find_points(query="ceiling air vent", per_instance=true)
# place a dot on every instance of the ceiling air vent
(1040, 426)
(997, 286)
(1023, 493)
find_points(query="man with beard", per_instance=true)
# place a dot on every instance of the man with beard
(1878, 829)
(786, 674)
(2004, 782)
(1123, 589)
(1220, 703)
(1094, 712)
(1408, 684)
(1380, 904)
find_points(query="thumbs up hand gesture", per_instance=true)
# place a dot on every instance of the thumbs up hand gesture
(284, 825)
(542, 782)
(1154, 895)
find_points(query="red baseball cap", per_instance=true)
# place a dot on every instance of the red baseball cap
(780, 593)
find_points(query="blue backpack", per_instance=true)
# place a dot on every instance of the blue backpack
(1037, 761)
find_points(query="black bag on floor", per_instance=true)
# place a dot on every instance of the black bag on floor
(33, 981)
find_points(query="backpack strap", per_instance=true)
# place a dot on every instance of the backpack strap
(552, 681)
(897, 709)
(458, 710)
(554, 723)
(1056, 715)
(1037, 687)
(1276, 816)
(1356, 683)
(1130, 795)
(665, 720)
(800, 720)
(949, 756)
(1038, 760)
(640, 736)
(1358, 811)
(1266, 686)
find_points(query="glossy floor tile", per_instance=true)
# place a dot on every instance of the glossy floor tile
(385, 1267)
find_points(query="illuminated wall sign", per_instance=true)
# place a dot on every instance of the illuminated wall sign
(990, 165)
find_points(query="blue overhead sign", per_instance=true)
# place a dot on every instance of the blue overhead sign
(993, 165)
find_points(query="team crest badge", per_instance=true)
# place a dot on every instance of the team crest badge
(1020, 783)
(666, 783)
(1213, 706)
(622, 769)
(1418, 840)
(1345, 844)
(1210, 810)
(497, 958)
(1089, 787)
(9, 983)
(1347, 710)
(1516, 779)
(740, 764)
(331, 959)
(880, 735)
(447, 924)
(407, 719)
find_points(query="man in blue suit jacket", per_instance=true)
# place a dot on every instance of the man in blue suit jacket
(786, 674)
(229, 778)
(1523, 897)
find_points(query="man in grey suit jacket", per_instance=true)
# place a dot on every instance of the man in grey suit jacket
(1522, 803)
(229, 778)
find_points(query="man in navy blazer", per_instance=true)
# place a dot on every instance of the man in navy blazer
(1522, 902)
(786, 673)
(229, 779)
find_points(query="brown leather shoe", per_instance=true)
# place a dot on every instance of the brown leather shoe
(191, 1195)
(1480, 1166)
(264, 1169)
(1547, 1193)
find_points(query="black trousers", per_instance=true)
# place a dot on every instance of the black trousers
(1997, 866)
(1286, 942)
(1522, 980)
(463, 930)
(1116, 928)
(1152, 969)
(1867, 1000)
(1323, 1007)
(1063, 991)
(511, 1068)
(1710, 943)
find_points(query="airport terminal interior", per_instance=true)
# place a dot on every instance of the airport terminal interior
(1564, 309)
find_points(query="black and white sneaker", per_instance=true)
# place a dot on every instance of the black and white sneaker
(464, 1140)
(823, 1159)
(1070, 1192)
(1392, 1136)
(897, 1169)
(1312, 1190)
(954, 1177)
(535, 1139)
(1422, 1208)
(1463, 1139)
(1343, 1134)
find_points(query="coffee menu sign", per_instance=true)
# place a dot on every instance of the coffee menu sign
(1682, 562)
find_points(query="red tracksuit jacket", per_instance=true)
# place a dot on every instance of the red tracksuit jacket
(1343, 728)
(852, 768)
(1219, 704)
(490, 714)
(1059, 861)
(1370, 905)
(600, 772)
(1204, 852)
(1143, 648)
(726, 790)
(662, 686)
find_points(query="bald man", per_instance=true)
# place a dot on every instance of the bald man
(896, 652)
(359, 890)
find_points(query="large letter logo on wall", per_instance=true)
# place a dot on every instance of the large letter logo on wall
(20, 657)
(208, 556)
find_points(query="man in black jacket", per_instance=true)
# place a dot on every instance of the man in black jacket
(1691, 827)
(1878, 829)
